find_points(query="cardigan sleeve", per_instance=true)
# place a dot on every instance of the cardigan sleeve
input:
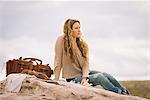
(58, 58)
(85, 68)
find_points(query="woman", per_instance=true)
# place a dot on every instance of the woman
(72, 56)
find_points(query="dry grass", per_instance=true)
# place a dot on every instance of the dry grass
(138, 88)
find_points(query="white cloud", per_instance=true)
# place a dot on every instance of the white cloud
(120, 56)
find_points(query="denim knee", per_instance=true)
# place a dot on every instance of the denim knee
(97, 79)
(100, 79)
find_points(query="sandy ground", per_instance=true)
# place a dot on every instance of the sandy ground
(138, 88)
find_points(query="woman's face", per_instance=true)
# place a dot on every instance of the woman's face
(76, 30)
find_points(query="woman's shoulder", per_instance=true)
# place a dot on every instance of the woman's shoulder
(60, 39)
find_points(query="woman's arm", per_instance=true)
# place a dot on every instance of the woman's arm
(85, 74)
(85, 68)
(58, 58)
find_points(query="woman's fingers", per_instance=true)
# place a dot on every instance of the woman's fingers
(84, 82)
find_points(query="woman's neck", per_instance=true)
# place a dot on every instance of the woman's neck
(74, 40)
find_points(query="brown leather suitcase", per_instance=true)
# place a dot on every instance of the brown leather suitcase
(39, 67)
(18, 65)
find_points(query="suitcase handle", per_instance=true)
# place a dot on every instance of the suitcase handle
(33, 59)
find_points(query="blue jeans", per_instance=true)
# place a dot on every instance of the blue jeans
(105, 80)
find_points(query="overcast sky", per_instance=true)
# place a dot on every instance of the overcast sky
(117, 33)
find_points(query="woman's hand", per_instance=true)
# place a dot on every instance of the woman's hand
(84, 82)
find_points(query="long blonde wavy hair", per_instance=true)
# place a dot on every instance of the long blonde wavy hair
(68, 42)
